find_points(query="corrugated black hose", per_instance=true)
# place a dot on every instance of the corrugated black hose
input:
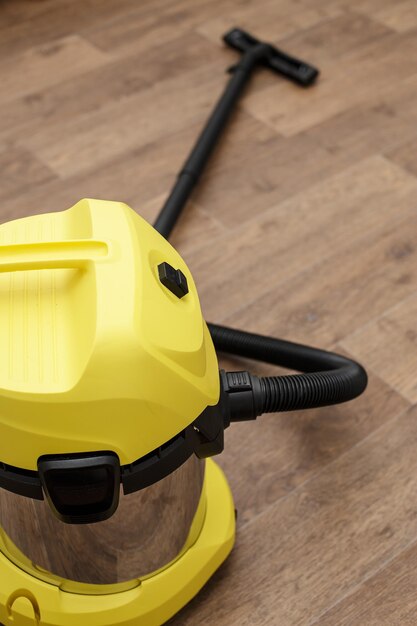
(328, 378)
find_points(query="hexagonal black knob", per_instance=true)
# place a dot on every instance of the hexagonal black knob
(173, 279)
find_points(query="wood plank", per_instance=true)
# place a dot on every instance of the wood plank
(265, 461)
(367, 7)
(141, 175)
(83, 143)
(380, 124)
(87, 92)
(302, 232)
(387, 598)
(189, 52)
(328, 301)
(401, 16)
(329, 41)
(46, 65)
(19, 170)
(310, 549)
(272, 22)
(31, 27)
(347, 82)
(140, 30)
(84, 93)
(19, 10)
(405, 155)
(391, 338)
(278, 172)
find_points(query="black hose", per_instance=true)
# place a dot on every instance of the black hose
(329, 379)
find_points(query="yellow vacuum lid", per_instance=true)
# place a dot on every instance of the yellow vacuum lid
(104, 346)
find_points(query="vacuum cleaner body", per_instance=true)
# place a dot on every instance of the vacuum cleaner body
(106, 359)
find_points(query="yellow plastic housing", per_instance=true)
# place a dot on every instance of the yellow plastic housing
(28, 600)
(96, 353)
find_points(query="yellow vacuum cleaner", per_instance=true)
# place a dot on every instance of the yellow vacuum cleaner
(111, 404)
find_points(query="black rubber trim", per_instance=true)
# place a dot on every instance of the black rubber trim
(147, 470)
(22, 482)
(159, 463)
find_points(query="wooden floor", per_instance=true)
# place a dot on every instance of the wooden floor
(305, 227)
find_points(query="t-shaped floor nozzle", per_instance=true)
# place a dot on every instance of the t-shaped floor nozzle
(300, 72)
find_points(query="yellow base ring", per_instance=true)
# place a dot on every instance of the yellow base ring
(26, 600)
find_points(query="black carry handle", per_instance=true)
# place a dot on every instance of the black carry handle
(298, 71)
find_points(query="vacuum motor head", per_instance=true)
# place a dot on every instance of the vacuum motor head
(104, 347)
